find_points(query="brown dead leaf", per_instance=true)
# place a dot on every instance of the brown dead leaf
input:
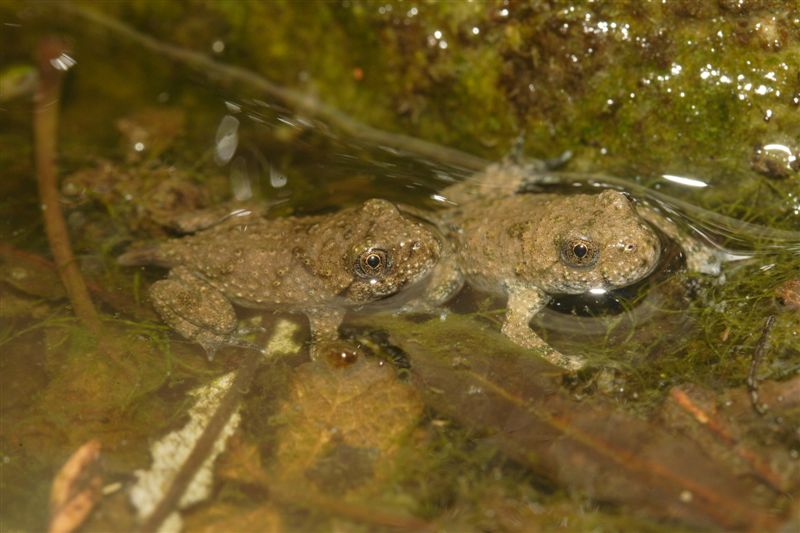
(341, 424)
(76, 489)
(262, 519)
(789, 294)
(721, 426)
(489, 385)
(780, 398)
(241, 462)
(30, 274)
(36, 278)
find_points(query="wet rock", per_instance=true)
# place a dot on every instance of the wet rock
(776, 160)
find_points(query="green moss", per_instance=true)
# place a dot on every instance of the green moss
(631, 88)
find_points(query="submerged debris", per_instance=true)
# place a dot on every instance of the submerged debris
(172, 451)
(624, 87)
(789, 294)
(776, 161)
(519, 402)
(76, 489)
(758, 355)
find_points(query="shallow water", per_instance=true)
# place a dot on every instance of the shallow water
(153, 121)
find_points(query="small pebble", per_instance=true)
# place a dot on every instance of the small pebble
(789, 294)
(339, 354)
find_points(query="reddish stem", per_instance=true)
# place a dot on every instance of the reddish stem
(45, 128)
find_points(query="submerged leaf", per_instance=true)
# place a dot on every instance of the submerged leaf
(729, 429)
(341, 424)
(262, 519)
(30, 274)
(489, 385)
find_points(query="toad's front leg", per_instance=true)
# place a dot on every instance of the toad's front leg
(324, 322)
(195, 309)
(523, 304)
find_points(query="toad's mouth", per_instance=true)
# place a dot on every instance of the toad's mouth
(371, 290)
(605, 284)
(384, 294)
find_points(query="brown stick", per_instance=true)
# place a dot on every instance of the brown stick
(758, 355)
(45, 128)
(717, 426)
(204, 445)
(76, 489)
(302, 103)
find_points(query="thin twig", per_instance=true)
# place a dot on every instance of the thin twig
(45, 126)
(204, 445)
(758, 355)
(301, 102)
(725, 435)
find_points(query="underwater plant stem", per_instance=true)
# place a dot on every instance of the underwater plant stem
(758, 355)
(301, 102)
(45, 128)
(726, 435)
(204, 445)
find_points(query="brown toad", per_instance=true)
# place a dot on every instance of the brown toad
(532, 246)
(318, 265)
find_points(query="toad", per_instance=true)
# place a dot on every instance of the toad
(530, 247)
(317, 265)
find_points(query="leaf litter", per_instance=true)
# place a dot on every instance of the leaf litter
(171, 452)
(519, 403)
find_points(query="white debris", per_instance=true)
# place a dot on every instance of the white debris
(282, 341)
(170, 452)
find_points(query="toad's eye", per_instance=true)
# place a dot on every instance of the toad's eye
(579, 253)
(373, 263)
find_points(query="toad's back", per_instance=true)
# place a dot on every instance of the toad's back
(353, 256)
(318, 265)
(257, 263)
(489, 247)
(530, 239)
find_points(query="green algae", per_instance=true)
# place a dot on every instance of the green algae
(576, 56)
(636, 89)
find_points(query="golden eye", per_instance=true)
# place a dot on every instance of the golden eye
(372, 263)
(579, 253)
